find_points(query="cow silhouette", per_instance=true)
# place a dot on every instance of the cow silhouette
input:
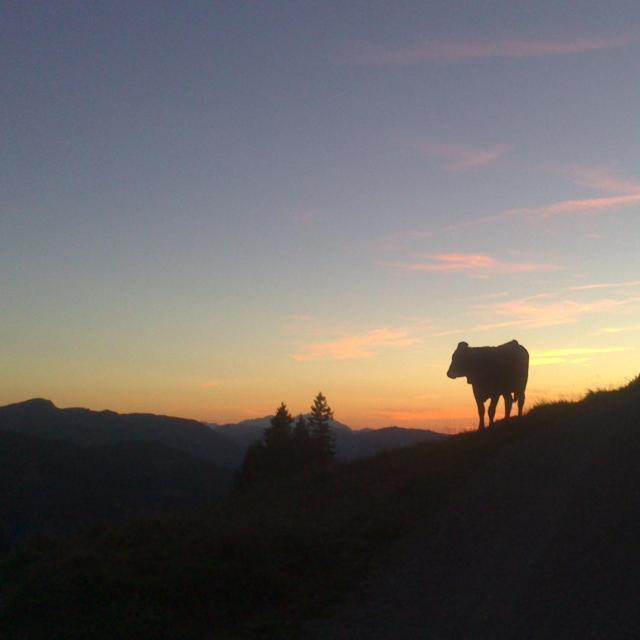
(493, 372)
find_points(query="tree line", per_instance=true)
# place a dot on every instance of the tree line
(288, 448)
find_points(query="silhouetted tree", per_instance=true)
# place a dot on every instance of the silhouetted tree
(278, 435)
(273, 457)
(254, 465)
(321, 433)
(301, 430)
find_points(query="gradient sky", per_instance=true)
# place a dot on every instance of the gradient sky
(208, 208)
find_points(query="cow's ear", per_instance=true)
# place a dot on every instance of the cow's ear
(462, 345)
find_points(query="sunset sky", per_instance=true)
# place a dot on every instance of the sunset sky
(208, 208)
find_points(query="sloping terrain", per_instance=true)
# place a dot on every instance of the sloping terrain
(528, 530)
(540, 542)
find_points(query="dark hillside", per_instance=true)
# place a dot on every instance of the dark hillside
(527, 530)
(51, 486)
(540, 542)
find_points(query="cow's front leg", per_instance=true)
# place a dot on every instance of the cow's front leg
(508, 402)
(480, 414)
(492, 409)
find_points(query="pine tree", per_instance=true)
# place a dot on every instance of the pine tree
(321, 433)
(278, 435)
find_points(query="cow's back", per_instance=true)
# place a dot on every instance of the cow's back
(501, 369)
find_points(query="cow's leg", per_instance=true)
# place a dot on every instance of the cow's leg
(480, 414)
(520, 403)
(507, 405)
(492, 409)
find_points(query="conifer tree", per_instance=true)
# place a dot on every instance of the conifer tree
(278, 435)
(321, 433)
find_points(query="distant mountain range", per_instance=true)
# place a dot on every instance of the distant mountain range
(61, 469)
(350, 443)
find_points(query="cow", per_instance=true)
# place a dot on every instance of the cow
(493, 372)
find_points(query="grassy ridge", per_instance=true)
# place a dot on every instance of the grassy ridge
(263, 562)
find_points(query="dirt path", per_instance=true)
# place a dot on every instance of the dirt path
(517, 552)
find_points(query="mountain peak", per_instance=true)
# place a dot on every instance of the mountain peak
(38, 404)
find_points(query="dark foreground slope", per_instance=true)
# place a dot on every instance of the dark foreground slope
(526, 531)
(543, 541)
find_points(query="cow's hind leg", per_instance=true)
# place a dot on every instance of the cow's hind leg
(480, 414)
(492, 409)
(520, 403)
(508, 402)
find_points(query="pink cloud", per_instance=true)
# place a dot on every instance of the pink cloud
(602, 179)
(461, 158)
(356, 346)
(448, 51)
(472, 264)
(586, 205)
(530, 313)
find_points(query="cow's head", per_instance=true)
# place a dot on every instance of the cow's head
(459, 361)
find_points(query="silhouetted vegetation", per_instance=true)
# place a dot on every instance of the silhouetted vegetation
(285, 450)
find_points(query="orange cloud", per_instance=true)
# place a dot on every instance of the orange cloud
(461, 158)
(472, 264)
(450, 51)
(352, 347)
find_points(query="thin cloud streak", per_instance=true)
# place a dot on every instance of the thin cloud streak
(471, 264)
(527, 313)
(606, 285)
(598, 178)
(571, 355)
(354, 347)
(451, 51)
(601, 179)
(581, 206)
(459, 157)
(614, 330)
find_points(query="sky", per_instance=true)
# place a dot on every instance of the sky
(208, 208)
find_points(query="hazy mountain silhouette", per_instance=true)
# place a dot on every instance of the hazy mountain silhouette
(41, 418)
(350, 443)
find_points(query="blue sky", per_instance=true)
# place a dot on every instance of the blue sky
(208, 208)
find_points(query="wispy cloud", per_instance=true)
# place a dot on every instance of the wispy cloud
(602, 179)
(571, 355)
(534, 313)
(606, 285)
(594, 177)
(613, 330)
(355, 346)
(471, 264)
(451, 51)
(459, 157)
(579, 206)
